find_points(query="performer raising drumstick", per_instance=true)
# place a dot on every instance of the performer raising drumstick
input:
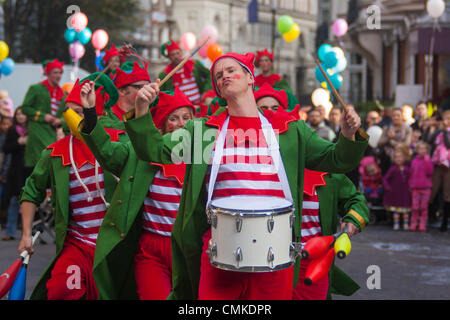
(255, 171)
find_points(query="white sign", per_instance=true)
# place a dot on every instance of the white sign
(408, 94)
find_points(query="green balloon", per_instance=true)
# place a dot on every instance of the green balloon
(285, 24)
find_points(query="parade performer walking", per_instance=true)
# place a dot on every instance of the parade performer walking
(193, 79)
(264, 61)
(149, 196)
(79, 204)
(43, 105)
(299, 147)
(324, 196)
(113, 59)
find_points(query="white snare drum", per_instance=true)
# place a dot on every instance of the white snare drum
(251, 233)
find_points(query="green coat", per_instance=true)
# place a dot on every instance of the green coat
(300, 147)
(121, 229)
(35, 106)
(50, 173)
(339, 195)
(202, 77)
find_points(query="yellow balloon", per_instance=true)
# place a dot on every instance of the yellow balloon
(292, 34)
(324, 84)
(4, 50)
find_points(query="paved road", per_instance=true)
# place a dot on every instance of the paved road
(411, 265)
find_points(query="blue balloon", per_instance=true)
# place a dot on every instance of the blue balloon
(84, 36)
(98, 60)
(323, 50)
(70, 35)
(330, 60)
(7, 66)
(336, 80)
(319, 75)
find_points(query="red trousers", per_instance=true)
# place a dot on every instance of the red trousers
(316, 291)
(153, 267)
(218, 284)
(71, 277)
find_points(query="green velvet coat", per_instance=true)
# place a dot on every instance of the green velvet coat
(300, 147)
(35, 106)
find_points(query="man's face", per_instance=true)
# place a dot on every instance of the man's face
(231, 78)
(265, 63)
(372, 118)
(54, 76)
(335, 115)
(129, 92)
(175, 56)
(268, 103)
(114, 62)
(315, 118)
(421, 111)
(397, 117)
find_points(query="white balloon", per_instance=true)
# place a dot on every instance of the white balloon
(374, 133)
(339, 52)
(320, 96)
(341, 65)
(435, 8)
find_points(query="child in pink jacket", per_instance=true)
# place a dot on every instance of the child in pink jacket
(421, 173)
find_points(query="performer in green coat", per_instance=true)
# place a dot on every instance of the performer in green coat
(300, 147)
(326, 197)
(43, 105)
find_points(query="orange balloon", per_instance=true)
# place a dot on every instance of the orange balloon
(67, 87)
(214, 51)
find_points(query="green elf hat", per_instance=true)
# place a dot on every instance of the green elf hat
(105, 84)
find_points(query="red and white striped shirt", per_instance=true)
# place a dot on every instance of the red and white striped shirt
(54, 105)
(246, 167)
(161, 204)
(188, 86)
(87, 217)
(310, 218)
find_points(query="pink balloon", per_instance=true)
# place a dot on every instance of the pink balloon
(76, 50)
(188, 41)
(202, 52)
(340, 27)
(211, 32)
(99, 39)
(79, 21)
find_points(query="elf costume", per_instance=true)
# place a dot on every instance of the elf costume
(80, 198)
(300, 147)
(112, 52)
(324, 196)
(275, 80)
(193, 79)
(41, 99)
(134, 247)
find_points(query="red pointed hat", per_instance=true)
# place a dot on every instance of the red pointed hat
(260, 54)
(168, 103)
(112, 52)
(168, 47)
(245, 60)
(266, 90)
(123, 78)
(75, 96)
(49, 65)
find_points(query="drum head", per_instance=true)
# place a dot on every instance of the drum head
(251, 203)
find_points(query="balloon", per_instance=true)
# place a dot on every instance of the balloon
(339, 52)
(7, 66)
(435, 8)
(214, 51)
(340, 27)
(336, 80)
(98, 60)
(76, 50)
(292, 34)
(84, 35)
(202, 52)
(330, 60)
(323, 50)
(319, 75)
(4, 50)
(67, 87)
(285, 24)
(188, 41)
(70, 35)
(79, 21)
(320, 96)
(341, 65)
(99, 39)
(211, 32)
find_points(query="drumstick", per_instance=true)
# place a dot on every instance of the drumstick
(181, 64)
(336, 94)
(102, 73)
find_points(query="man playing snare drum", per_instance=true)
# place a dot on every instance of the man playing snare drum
(247, 152)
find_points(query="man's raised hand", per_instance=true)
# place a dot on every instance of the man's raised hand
(87, 95)
(145, 96)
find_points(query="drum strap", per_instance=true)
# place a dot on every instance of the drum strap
(274, 150)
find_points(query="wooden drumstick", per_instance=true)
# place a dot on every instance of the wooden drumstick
(336, 94)
(181, 64)
(102, 73)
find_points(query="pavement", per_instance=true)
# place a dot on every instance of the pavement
(387, 264)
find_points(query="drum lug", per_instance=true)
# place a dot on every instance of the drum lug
(270, 224)
(292, 220)
(212, 249)
(270, 256)
(295, 249)
(214, 221)
(238, 224)
(238, 255)
(208, 213)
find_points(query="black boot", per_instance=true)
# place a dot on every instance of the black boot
(444, 223)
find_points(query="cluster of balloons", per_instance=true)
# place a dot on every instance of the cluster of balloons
(7, 64)
(435, 8)
(333, 61)
(288, 28)
(210, 50)
(80, 35)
